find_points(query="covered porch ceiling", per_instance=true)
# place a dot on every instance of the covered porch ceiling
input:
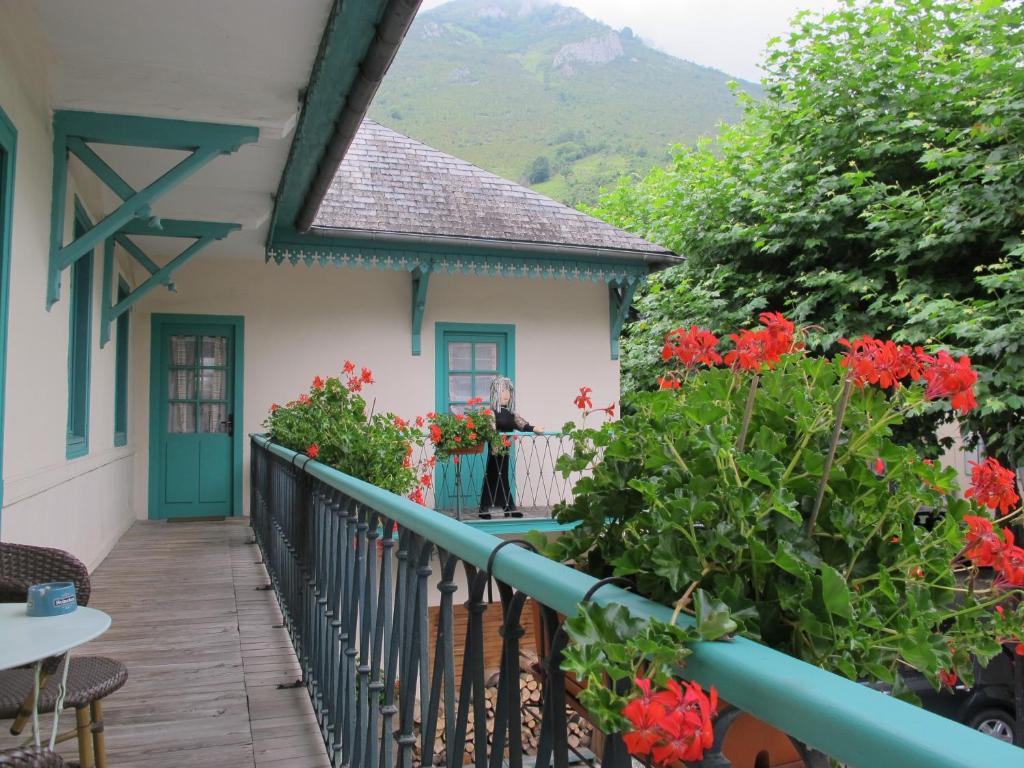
(242, 62)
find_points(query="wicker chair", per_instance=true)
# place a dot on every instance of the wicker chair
(90, 678)
(30, 757)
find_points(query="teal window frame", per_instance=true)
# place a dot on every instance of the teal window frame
(80, 344)
(8, 156)
(121, 370)
(441, 353)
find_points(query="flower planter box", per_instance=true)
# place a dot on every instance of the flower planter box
(471, 450)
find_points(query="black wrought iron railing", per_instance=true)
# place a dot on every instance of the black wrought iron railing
(388, 607)
(526, 483)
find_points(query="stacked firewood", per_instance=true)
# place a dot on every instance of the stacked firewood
(579, 730)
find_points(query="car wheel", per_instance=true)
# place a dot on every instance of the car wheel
(994, 722)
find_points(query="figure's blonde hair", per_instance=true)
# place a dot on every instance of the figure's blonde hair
(499, 385)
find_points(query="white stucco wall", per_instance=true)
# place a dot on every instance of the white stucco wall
(83, 505)
(305, 321)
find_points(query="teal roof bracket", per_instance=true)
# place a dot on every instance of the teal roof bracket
(161, 276)
(73, 131)
(620, 298)
(420, 281)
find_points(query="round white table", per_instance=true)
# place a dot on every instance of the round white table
(28, 639)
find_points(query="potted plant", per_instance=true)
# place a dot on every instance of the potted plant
(763, 491)
(458, 434)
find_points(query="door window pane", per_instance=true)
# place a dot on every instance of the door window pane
(183, 350)
(213, 384)
(460, 356)
(483, 385)
(181, 417)
(215, 351)
(181, 384)
(460, 387)
(486, 357)
(213, 417)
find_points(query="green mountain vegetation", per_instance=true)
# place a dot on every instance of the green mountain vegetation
(540, 93)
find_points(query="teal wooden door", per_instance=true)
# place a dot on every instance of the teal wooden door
(194, 467)
(468, 361)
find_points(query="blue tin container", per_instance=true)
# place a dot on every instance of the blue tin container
(52, 599)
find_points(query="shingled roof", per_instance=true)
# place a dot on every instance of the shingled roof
(389, 183)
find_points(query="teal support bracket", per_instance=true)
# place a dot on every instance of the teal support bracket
(138, 254)
(420, 281)
(106, 291)
(73, 131)
(620, 298)
(158, 275)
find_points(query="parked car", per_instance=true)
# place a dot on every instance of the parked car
(987, 707)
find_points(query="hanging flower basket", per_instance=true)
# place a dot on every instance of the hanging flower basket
(468, 450)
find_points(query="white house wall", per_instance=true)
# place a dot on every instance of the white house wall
(305, 321)
(82, 505)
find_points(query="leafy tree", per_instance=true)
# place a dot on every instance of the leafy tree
(878, 188)
(540, 170)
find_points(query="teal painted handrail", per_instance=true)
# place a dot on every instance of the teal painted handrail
(854, 724)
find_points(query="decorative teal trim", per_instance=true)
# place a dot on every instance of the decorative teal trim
(349, 31)
(121, 371)
(158, 322)
(620, 297)
(8, 156)
(420, 281)
(71, 132)
(79, 349)
(323, 252)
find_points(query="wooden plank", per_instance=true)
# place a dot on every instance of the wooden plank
(204, 657)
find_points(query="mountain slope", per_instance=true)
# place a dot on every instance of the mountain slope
(542, 94)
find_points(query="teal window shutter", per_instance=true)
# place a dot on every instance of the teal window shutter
(79, 346)
(121, 372)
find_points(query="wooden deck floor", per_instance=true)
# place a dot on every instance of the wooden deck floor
(204, 657)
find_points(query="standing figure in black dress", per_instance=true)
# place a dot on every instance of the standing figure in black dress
(497, 491)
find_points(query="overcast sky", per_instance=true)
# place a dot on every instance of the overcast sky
(729, 35)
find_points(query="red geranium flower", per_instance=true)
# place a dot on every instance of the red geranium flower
(426, 480)
(400, 422)
(274, 407)
(474, 401)
(951, 378)
(993, 486)
(318, 383)
(354, 384)
(879, 466)
(668, 382)
(645, 715)
(313, 450)
(871, 361)
(582, 400)
(470, 424)
(691, 347)
(947, 677)
(417, 496)
(303, 399)
(348, 367)
(435, 434)
(983, 544)
(366, 375)
(419, 421)
(1010, 561)
(753, 349)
